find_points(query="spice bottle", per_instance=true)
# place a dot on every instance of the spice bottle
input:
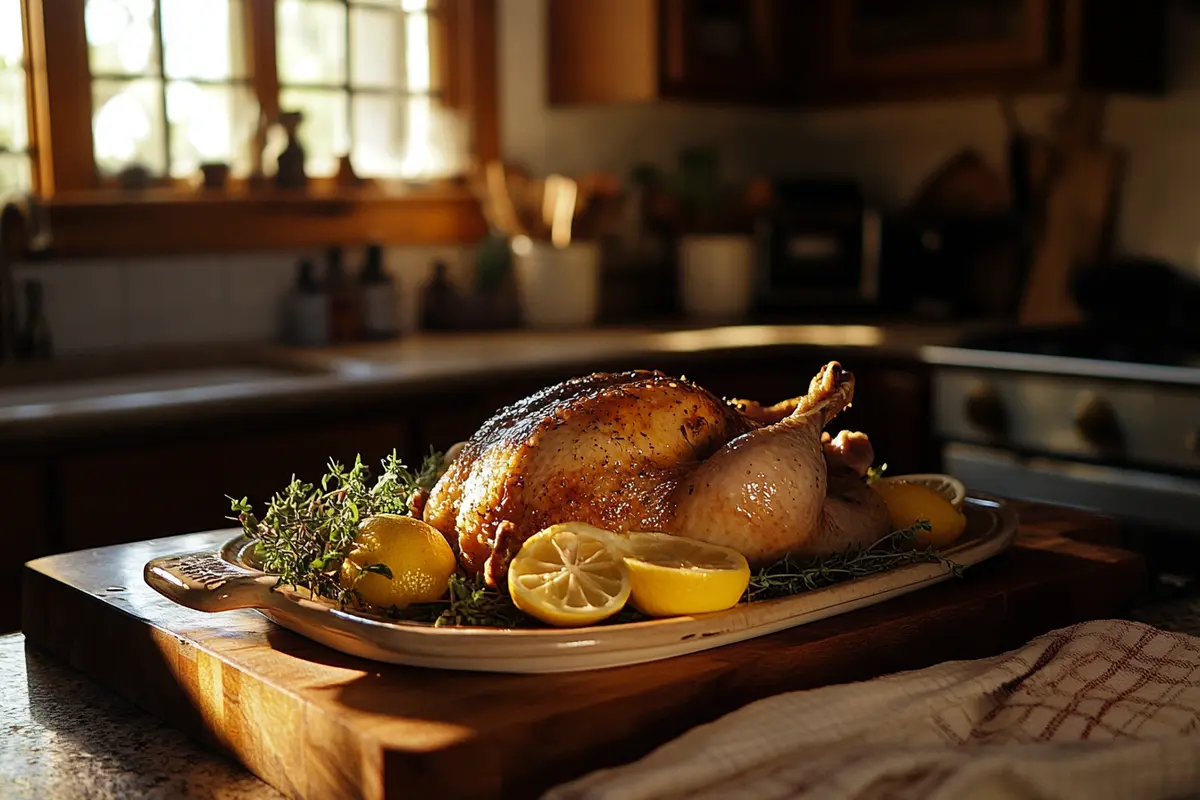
(378, 297)
(439, 300)
(35, 341)
(345, 308)
(307, 309)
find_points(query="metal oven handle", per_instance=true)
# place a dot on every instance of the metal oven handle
(1162, 500)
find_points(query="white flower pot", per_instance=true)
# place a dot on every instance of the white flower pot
(558, 287)
(716, 276)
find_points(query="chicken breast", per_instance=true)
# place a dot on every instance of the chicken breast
(644, 451)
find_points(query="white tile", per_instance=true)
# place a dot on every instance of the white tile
(255, 285)
(177, 301)
(85, 302)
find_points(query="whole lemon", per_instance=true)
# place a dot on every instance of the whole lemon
(418, 556)
(910, 503)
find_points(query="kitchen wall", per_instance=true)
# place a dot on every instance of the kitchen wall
(889, 148)
(113, 304)
(98, 305)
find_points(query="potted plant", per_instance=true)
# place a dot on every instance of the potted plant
(712, 223)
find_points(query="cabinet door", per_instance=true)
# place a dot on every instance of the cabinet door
(181, 487)
(887, 40)
(720, 49)
(24, 498)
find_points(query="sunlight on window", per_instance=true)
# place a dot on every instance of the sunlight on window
(362, 73)
(15, 172)
(170, 89)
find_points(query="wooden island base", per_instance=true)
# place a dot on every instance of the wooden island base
(316, 724)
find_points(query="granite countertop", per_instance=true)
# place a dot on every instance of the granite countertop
(76, 395)
(61, 735)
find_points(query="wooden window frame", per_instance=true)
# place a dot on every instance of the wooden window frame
(91, 217)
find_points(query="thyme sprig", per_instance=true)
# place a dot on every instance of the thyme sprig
(795, 575)
(307, 530)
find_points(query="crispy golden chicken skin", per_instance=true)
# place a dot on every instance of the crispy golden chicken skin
(645, 451)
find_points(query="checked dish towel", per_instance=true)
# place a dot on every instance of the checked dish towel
(1104, 709)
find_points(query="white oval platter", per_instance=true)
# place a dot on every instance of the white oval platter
(222, 581)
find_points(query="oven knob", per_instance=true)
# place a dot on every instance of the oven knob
(984, 408)
(1097, 422)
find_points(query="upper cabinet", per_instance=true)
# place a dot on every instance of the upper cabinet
(827, 52)
(618, 51)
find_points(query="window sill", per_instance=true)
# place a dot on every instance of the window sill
(167, 222)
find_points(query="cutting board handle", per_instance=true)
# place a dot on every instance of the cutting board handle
(207, 582)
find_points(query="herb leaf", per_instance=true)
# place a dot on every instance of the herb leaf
(306, 531)
(796, 575)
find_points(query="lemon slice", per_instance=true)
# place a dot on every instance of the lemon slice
(947, 486)
(672, 576)
(569, 575)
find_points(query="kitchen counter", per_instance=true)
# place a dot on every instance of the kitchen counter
(64, 736)
(66, 398)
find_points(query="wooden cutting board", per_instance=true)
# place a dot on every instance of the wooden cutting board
(318, 724)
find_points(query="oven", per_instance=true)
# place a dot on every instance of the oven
(1117, 438)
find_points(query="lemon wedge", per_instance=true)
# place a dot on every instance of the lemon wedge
(569, 575)
(672, 576)
(417, 555)
(911, 502)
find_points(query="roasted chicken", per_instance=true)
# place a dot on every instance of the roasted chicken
(642, 451)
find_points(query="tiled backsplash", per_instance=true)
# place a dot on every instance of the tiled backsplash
(105, 305)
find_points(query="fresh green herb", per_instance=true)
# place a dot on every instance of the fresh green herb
(875, 473)
(307, 530)
(795, 575)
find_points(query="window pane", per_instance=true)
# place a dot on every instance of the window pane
(122, 37)
(11, 44)
(13, 119)
(311, 41)
(127, 126)
(376, 48)
(380, 125)
(203, 40)
(15, 175)
(324, 131)
(418, 64)
(209, 124)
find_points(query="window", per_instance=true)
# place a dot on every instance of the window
(15, 171)
(363, 74)
(170, 89)
(93, 87)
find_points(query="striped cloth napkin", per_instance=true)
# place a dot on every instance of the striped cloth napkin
(1103, 709)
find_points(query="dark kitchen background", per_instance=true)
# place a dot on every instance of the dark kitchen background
(241, 237)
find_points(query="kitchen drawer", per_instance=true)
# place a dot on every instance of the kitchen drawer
(1131, 422)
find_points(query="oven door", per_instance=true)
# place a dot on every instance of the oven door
(1166, 502)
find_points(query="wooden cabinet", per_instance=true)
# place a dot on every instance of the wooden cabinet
(25, 498)
(612, 51)
(858, 50)
(178, 487)
(827, 52)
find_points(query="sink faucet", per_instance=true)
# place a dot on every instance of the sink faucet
(24, 231)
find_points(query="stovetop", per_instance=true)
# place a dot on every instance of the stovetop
(1125, 345)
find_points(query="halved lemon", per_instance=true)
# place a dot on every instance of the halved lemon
(947, 486)
(673, 576)
(569, 575)
(910, 503)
